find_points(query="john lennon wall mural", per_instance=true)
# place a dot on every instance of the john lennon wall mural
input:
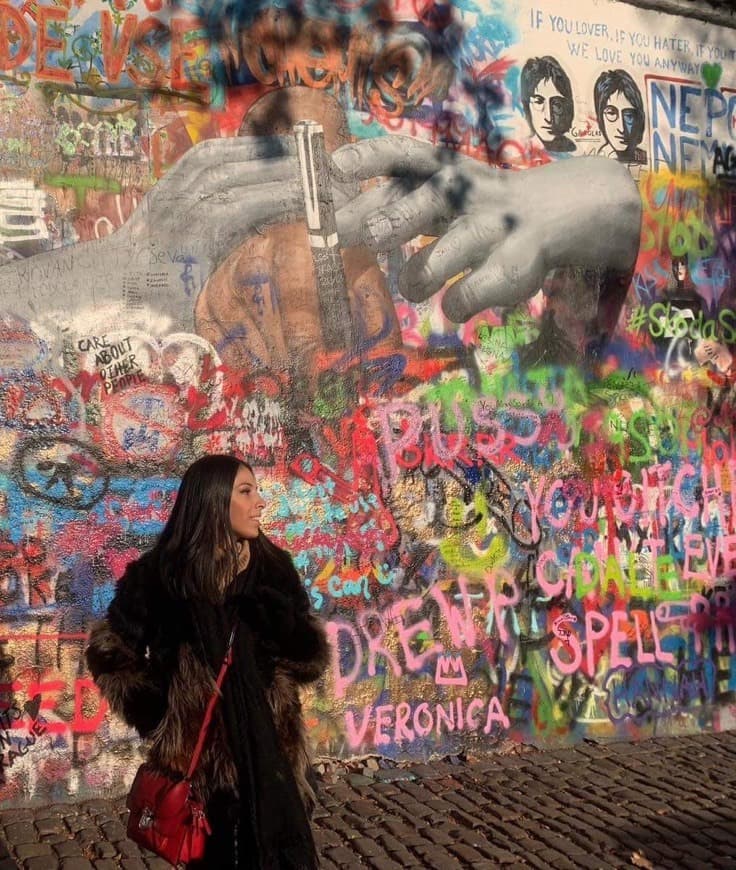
(457, 280)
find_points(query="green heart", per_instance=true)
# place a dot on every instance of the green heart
(711, 74)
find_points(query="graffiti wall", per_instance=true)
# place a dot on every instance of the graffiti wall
(460, 282)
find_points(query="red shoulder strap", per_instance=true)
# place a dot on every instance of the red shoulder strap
(227, 661)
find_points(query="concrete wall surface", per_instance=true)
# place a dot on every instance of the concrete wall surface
(456, 279)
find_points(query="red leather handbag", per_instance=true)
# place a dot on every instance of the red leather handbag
(165, 816)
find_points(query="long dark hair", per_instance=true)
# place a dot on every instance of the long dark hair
(196, 553)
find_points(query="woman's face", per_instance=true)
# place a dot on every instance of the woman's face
(246, 505)
(619, 117)
(546, 107)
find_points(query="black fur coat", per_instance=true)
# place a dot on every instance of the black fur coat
(142, 657)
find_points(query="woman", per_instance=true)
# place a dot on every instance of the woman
(155, 655)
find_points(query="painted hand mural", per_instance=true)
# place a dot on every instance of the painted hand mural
(483, 369)
(271, 305)
(196, 210)
(510, 229)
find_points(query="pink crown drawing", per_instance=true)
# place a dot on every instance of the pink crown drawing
(450, 671)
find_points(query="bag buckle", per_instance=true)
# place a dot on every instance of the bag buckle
(146, 819)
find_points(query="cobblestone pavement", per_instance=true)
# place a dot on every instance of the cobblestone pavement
(667, 802)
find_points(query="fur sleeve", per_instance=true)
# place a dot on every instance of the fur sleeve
(116, 657)
(306, 654)
(285, 622)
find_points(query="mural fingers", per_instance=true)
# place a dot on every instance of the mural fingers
(389, 155)
(231, 217)
(428, 209)
(512, 274)
(351, 217)
(220, 176)
(248, 208)
(199, 168)
(466, 244)
(246, 150)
